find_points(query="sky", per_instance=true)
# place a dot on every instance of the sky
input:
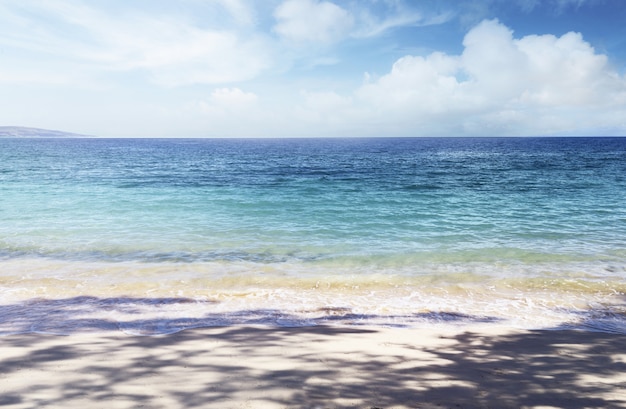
(314, 68)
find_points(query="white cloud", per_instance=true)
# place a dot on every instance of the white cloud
(226, 106)
(558, 5)
(238, 10)
(528, 5)
(325, 22)
(415, 84)
(233, 97)
(231, 111)
(303, 21)
(397, 14)
(172, 50)
(217, 42)
(324, 108)
(564, 4)
(538, 71)
(498, 85)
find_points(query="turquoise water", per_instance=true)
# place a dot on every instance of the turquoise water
(157, 235)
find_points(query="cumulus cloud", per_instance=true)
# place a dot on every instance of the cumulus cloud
(542, 70)
(537, 84)
(312, 21)
(499, 84)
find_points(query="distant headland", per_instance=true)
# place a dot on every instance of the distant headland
(24, 132)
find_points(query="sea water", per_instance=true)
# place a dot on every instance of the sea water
(152, 236)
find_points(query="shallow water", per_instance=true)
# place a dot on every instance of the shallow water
(153, 236)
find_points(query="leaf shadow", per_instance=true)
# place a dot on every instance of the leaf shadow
(321, 366)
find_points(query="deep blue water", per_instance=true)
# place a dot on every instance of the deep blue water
(427, 225)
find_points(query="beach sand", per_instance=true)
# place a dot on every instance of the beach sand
(316, 367)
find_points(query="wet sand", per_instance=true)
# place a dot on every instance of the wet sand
(316, 367)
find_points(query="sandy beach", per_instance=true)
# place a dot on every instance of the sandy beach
(316, 367)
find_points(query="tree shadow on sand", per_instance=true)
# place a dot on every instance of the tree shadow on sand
(159, 316)
(315, 367)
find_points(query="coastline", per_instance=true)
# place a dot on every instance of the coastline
(476, 366)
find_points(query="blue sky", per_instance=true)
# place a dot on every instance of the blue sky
(267, 68)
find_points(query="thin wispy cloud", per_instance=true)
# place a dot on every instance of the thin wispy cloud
(170, 50)
(304, 21)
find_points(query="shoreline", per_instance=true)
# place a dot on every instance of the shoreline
(473, 366)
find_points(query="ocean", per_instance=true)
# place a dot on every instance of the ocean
(153, 236)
